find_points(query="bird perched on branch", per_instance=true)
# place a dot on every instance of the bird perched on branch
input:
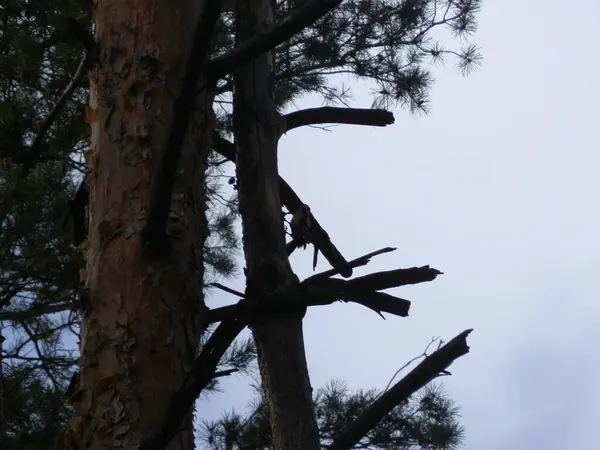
(301, 226)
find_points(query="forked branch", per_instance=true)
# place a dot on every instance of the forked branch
(320, 292)
(430, 368)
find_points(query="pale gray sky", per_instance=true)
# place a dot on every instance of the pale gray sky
(497, 188)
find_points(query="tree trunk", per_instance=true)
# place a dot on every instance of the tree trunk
(141, 330)
(279, 342)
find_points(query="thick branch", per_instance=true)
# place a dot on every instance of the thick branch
(330, 114)
(298, 20)
(431, 367)
(393, 278)
(201, 373)
(36, 148)
(292, 202)
(361, 290)
(161, 188)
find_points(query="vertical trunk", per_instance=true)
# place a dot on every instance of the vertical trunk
(141, 330)
(279, 342)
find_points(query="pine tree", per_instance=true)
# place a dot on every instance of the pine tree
(44, 95)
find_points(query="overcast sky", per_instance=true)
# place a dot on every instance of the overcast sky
(498, 188)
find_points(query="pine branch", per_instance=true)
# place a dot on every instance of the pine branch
(161, 188)
(36, 311)
(330, 114)
(35, 151)
(202, 372)
(299, 19)
(292, 202)
(430, 368)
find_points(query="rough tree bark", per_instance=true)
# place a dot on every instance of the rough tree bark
(279, 341)
(141, 329)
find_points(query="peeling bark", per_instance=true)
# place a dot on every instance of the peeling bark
(141, 332)
(279, 342)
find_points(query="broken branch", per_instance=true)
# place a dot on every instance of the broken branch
(161, 188)
(298, 20)
(292, 202)
(430, 368)
(228, 290)
(393, 278)
(361, 290)
(330, 114)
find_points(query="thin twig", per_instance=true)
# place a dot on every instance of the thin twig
(226, 289)
(36, 148)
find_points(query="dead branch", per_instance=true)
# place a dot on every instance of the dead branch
(431, 367)
(228, 290)
(330, 114)
(393, 278)
(35, 151)
(161, 188)
(224, 373)
(201, 373)
(361, 290)
(300, 18)
(360, 261)
(292, 202)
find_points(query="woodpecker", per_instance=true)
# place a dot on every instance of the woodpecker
(301, 226)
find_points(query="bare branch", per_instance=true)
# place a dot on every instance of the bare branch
(224, 373)
(226, 289)
(430, 368)
(298, 20)
(330, 114)
(36, 148)
(394, 278)
(361, 290)
(200, 375)
(360, 261)
(161, 188)
(292, 202)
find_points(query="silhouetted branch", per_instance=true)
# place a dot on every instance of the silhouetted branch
(224, 373)
(330, 114)
(300, 18)
(292, 202)
(228, 290)
(35, 151)
(201, 373)
(161, 188)
(360, 261)
(361, 290)
(430, 368)
(394, 278)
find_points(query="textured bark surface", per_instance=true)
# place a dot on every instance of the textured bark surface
(140, 334)
(280, 343)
